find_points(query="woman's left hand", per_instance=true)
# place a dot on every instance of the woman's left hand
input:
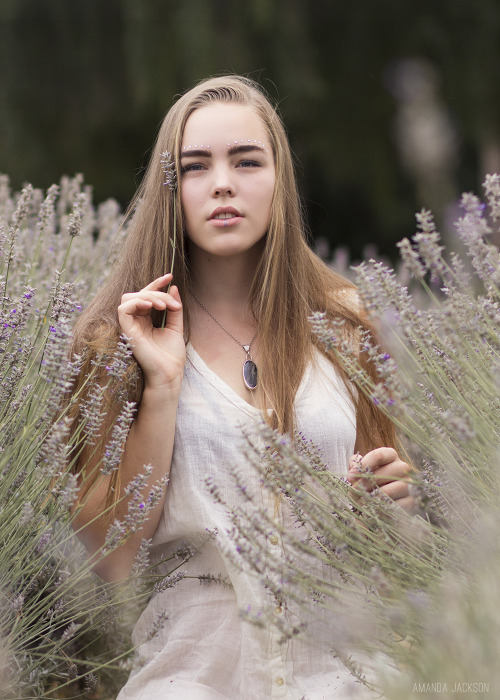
(387, 472)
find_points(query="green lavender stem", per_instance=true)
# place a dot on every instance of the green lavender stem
(173, 243)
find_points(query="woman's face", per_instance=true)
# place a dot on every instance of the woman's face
(227, 179)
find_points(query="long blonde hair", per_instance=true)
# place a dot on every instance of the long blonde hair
(290, 280)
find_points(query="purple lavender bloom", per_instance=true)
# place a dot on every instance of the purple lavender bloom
(169, 170)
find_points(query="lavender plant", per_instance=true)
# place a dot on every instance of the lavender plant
(60, 634)
(413, 596)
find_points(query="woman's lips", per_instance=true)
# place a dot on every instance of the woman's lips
(225, 216)
(226, 222)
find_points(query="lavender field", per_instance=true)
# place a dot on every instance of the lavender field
(415, 597)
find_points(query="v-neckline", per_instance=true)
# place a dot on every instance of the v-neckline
(215, 380)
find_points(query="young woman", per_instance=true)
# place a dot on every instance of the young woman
(236, 346)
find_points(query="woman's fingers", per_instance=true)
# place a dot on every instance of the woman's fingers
(381, 468)
(375, 458)
(160, 351)
(160, 300)
(383, 461)
(159, 282)
(175, 316)
(395, 490)
(135, 308)
(140, 304)
(152, 293)
(382, 475)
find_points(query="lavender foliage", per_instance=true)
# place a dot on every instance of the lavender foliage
(414, 593)
(53, 254)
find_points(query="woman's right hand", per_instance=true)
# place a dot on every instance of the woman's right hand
(161, 352)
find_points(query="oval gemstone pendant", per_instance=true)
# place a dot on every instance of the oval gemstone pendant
(250, 374)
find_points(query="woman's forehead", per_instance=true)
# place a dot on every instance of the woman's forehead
(224, 124)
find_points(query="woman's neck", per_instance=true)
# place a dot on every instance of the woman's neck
(223, 282)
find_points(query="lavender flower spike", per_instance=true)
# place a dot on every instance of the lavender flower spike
(169, 170)
(76, 216)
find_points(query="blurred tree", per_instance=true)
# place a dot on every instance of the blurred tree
(84, 85)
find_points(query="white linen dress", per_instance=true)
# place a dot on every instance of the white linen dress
(205, 650)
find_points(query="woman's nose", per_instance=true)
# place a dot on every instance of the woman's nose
(222, 190)
(223, 184)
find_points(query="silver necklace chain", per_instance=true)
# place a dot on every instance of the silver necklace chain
(246, 348)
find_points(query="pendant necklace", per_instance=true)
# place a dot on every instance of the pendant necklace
(249, 366)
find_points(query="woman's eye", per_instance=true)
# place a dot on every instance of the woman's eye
(248, 164)
(191, 167)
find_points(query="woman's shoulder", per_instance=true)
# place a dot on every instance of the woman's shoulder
(349, 297)
(343, 298)
(345, 305)
(339, 289)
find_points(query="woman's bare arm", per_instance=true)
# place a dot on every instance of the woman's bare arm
(161, 354)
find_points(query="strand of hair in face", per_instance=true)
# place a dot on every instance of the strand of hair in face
(171, 181)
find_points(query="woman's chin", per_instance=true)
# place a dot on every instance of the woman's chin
(228, 246)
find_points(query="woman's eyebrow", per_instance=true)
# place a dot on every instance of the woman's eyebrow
(237, 148)
(246, 148)
(196, 152)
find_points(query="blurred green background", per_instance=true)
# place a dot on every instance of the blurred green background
(390, 105)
